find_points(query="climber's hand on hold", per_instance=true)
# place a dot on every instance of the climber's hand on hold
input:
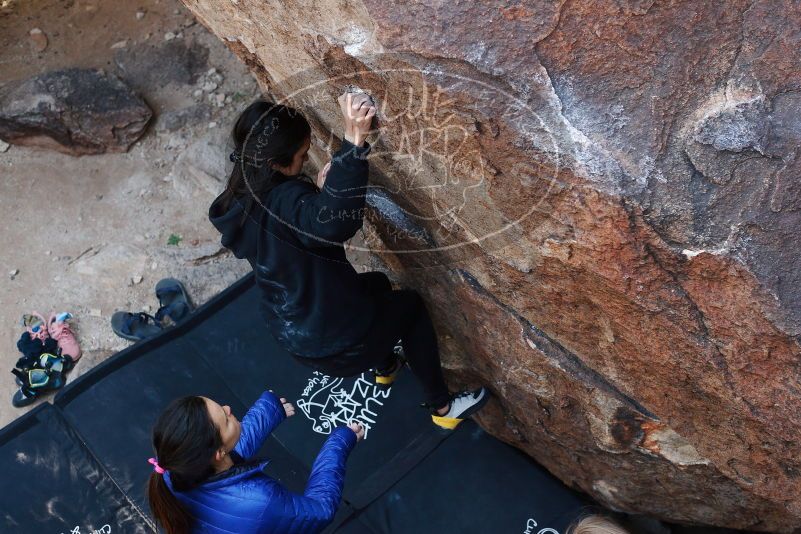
(358, 112)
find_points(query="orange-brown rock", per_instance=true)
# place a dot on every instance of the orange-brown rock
(601, 203)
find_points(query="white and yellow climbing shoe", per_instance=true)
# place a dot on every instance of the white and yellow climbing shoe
(463, 405)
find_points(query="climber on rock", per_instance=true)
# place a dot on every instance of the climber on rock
(292, 230)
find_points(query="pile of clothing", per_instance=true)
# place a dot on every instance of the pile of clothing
(49, 351)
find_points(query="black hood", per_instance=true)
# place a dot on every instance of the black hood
(229, 222)
(239, 234)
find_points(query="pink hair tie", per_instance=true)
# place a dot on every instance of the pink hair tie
(156, 467)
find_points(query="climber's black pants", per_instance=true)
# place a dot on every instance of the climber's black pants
(400, 314)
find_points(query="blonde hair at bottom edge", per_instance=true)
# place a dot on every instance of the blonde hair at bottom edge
(596, 524)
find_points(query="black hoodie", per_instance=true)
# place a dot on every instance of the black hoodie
(313, 301)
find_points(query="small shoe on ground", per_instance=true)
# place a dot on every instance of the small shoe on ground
(35, 325)
(135, 326)
(174, 302)
(36, 382)
(22, 398)
(384, 378)
(52, 362)
(62, 364)
(462, 406)
(63, 334)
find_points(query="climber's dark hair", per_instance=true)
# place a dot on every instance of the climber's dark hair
(185, 440)
(264, 134)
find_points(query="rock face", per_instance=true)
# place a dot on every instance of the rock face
(601, 203)
(75, 111)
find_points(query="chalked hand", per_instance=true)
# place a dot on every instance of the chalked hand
(357, 113)
(358, 429)
(289, 410)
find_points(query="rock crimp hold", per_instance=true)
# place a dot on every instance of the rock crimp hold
(74, 111)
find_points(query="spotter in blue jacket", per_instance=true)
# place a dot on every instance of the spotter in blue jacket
(245, 500)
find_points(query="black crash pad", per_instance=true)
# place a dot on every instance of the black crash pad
(407, 475)
(472, 483)
(53, 484)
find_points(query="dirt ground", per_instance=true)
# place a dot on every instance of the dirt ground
(92, 234)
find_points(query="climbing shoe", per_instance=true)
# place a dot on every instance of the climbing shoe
(36, 382)
(22, 398)
(51, 362)
(385, 377)
(462, 406)
(46, 362)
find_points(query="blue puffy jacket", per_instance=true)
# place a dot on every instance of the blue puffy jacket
(247, 501)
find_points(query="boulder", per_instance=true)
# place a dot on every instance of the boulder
(75, 111)
(600, 203)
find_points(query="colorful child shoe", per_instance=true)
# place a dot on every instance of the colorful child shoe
(62, 333)
(462, 406)
(36, 326)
